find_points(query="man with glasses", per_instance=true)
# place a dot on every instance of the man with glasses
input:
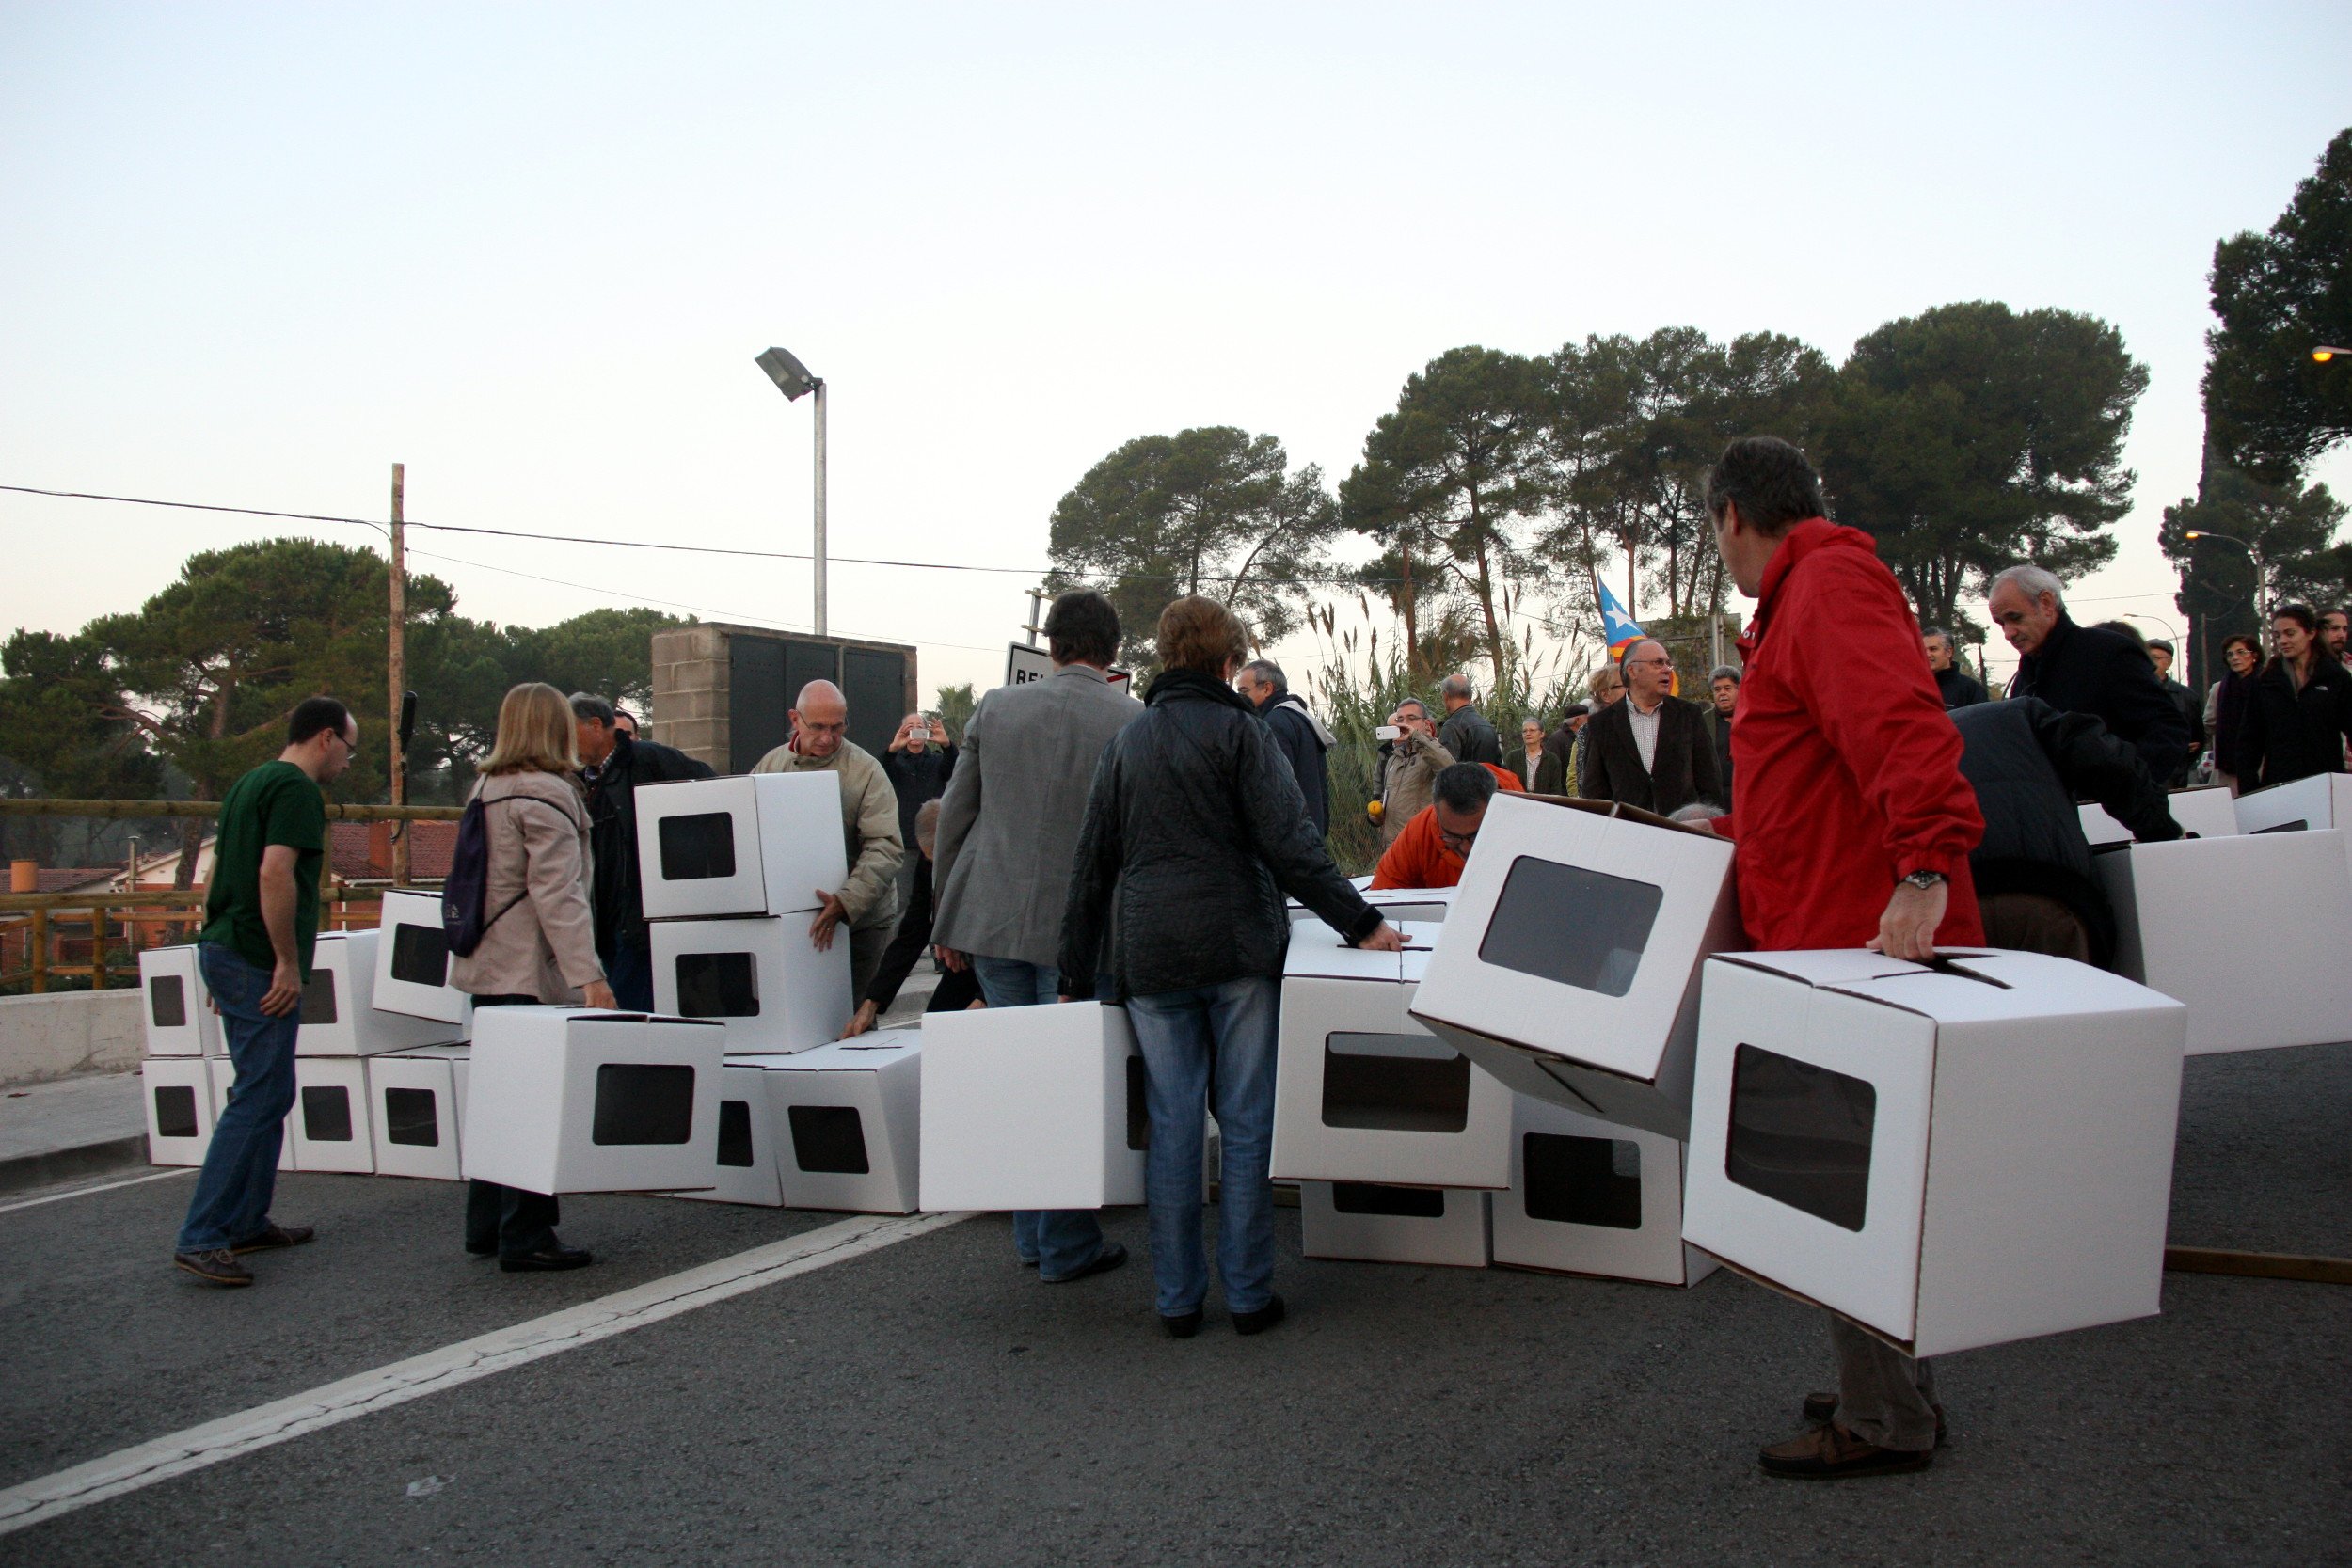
(1431, 850)
(1651, 751)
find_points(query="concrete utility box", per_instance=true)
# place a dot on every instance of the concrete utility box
(720, 694)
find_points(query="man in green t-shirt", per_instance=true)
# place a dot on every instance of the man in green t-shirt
(261, 922)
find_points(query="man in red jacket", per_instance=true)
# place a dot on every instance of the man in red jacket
(1853, 830)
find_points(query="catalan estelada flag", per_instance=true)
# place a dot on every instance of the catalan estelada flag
(1618, 629)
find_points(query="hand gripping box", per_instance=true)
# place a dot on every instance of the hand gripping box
(1569, 968)
(2249, 984)
(1369, 1223)
(1948, 1156)
(571, 1100)
(746, 1155)
(1363, 1092)
(1591, 1198)
(178, 1015)
(340, 1016)
(2208, 812)
(760, 977)
(846, 1121)
(329, 1129)
(181, 1108)
(759, 844)
(417, 1108)
(1032, 1108)
(412, 962)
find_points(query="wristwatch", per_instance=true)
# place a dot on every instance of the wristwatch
(1925, 879)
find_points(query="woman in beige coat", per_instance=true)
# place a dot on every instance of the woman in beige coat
(541, 942)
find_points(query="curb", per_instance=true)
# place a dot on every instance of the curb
(66, 1164)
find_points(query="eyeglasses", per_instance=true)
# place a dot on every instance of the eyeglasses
(1651, 663)
(1459, 842)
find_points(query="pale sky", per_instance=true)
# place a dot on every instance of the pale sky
(254, 255)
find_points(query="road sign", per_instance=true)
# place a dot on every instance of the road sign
(1023, 664)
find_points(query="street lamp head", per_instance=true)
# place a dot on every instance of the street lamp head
(2326, 351)
(2192, 533)
(790, 376)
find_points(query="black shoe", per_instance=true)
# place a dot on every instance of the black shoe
(490, 1251)
(275, 1236)
(1263, 1318)
(217, 1267)
(552, 1259)
(1823, 1407)
(1112, 1255)
(1183, 1325)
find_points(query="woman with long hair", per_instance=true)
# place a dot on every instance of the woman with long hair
(541, 942)
(2225, 704)
(2299, 714)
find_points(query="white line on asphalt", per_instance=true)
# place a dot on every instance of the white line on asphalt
(128, 1469)
(102, 1187)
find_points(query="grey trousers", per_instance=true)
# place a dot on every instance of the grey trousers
(1883, 1396)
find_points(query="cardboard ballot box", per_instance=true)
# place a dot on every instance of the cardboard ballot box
(1427, 905)
(338, 1013)
(1363, 1092)
(2322, 801)
(329, 1129)
(180, 1108)
(761, 977)
(1951, 1156)
(178, 1013)
(1569, 968)
(746, 1158)
(2251, 984)
(573, 1100)
(1366, 1222)
(846, 1122)
(1588, 1197)
(759, 844)
(1032, 1108)
(416, 1111)
(412, 962)
(2208, 812)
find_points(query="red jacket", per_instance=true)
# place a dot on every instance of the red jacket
(1848, 770)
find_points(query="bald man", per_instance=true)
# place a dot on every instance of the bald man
(869, 901)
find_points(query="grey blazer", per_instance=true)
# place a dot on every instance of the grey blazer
(1008, 823)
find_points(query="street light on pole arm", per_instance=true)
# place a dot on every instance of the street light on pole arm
(792, 379)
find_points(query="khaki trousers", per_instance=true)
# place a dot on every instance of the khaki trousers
(1883, 1396)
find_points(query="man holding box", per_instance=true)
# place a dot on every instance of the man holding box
(1853, 830)
(867, 903)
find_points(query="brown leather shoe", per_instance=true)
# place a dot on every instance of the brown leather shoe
(276, 1236)
(1823, 1407)
(217, 1267)
(1830, 1452)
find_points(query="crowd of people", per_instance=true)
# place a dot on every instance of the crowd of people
(1078, 844)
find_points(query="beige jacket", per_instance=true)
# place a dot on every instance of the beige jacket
(869, 829)
(1411, 782)
(544, 944)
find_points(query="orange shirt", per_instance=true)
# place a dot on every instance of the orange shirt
(1419, 857)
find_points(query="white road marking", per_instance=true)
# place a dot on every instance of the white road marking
(102, 1187)
(129, 1470)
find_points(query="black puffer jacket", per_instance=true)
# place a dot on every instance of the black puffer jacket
(2292, 732)
(1196, 830)
(620, 899)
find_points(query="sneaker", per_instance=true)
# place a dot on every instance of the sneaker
(1112, 1255)
(1263, 1318)
(1819, 1407)
(276, 1236)
(217, 1267)
(1830, 1452)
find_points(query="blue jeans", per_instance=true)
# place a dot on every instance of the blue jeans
(1183, 1034)
(629, 973)
(1059, 1242)
(240, 1174)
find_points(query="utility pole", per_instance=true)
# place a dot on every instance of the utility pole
(1036, 602)
(820, 508)
(398, 660)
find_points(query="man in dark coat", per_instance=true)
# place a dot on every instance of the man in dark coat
(1466, 733)
(917, 763)
(2028, 764)
(613, 764)
(1958, 687)
(1651, 750)
(2160, 653)
(1297, 731)
(1724, 686)
(2084, 670)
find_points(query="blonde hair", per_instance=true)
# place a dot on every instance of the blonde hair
(535, 732)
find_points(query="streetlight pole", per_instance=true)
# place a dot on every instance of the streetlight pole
(2262, 568)
(792, 379)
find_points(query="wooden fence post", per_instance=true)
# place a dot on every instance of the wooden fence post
(40, 951)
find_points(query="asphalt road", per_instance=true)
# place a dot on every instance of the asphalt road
(932, 1402)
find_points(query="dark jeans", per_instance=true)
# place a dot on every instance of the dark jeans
(240, 1174)
(628, 971)
(508, 1220)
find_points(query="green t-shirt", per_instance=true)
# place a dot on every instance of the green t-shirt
(276, 804)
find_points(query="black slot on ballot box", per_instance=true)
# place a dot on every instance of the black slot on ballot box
(644, 1102)
(419, 953)
(1367, 1086)
(718, 984)
(1577, 1180)
(829, 1140)
(318, 997)
(735, 1132)
(1571, 926)
(175, 1111)
(1372, 1198)
(168, 1002)
(1801, 1134)
(697, 847)
(326, 1113)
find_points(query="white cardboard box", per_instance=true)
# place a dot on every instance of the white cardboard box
(746, 1155)
(224, 1078)
(412, 1101)
(2322, 801)
(2251, 984)
(760, 977)
(1569, 968)
(572, 1100)
(179, 1109)
(1423, 905)
(1366, 1222)
(1950, 1157)
(1588, 1197)
(848, 1123)
(2207, 811)
(412, 962)
(329, 1129)
(758, 843)
(340, 1016)
(179, 1016)
(1032, 1108)
(1363, 1092)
